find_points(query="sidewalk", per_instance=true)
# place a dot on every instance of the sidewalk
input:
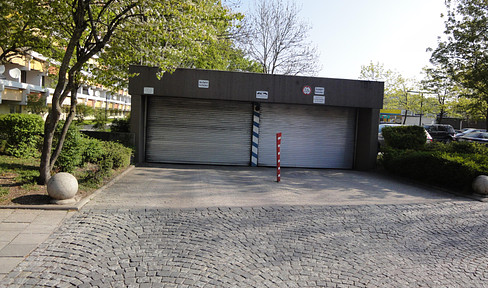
(24, 228)
(21, 231)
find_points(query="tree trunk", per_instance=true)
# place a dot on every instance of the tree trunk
(441, 116)
(64, 131)
(405, 117)
(49, 129)
(486, 120)
(48, 158)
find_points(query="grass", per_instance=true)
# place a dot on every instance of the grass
(3, 191)
(18, 181)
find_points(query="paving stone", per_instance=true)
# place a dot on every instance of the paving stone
(441, 244)
(17, 250)
(22, 216)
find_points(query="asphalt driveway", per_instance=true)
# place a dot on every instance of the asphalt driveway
(190, 186)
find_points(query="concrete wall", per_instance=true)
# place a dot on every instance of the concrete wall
(366, 139)
(239, 86)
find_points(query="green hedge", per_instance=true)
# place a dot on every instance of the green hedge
(71, 155)
(21, 134)
(454, 165)
(120, 125)
(404, 137)
(79, 150)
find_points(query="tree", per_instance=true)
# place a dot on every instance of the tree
(464, 54)
(117, 33)
(469, 108)
(20, 21)
(274, 36)
(438, 82)
(36, 104)
(83, 111)
(402, 97)
(377, 72)
(397, 88)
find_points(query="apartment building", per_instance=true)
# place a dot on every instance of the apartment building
(27, 77)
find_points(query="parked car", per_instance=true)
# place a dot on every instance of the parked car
(467, 131)
(479, 137)
(441, 132)
(381, 139)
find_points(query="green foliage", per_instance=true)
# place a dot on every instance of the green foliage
(36, 104)
(3, 145)
(404, 137)
(121, 125)
(454, 165)
(464, 53)
(3, 192)
(22, 133)
(397, 94)
(165, 34)
(80, 150)
(92, 150)
(19, 20)
(83, 111)
(116, 153)
(439, 83)
(112, 156)
(72, 154)
(101, 119)
(171, 34)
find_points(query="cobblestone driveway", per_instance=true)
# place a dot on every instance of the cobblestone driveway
(441, 244)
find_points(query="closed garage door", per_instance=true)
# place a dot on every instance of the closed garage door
(313, 136)
(198, 131)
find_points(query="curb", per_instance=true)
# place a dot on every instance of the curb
(71, 207)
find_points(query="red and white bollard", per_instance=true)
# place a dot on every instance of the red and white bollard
(278, 156)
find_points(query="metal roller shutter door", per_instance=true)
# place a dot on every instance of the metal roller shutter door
(198, 131)
(313, 136)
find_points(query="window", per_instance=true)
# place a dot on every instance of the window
(15, 109)
(23, 76)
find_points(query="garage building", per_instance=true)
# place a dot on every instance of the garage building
(231, 118)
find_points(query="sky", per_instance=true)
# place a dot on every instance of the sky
(352, 33)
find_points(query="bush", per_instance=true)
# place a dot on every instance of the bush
(71, 155)
(121, 125)
(117, 153)
(100, 119)
(441, 165)
(22, 134)
(82, 112)
(404, 137)
(92, 150)
(79, 150)
(113, 156)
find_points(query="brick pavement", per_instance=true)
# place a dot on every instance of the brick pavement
(435, 244)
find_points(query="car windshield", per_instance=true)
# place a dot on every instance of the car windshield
(474, 135)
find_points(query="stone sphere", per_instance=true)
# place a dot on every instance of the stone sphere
(62, 186)
(480, 185)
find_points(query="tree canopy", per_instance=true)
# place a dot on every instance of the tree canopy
(273, 35)
(97, 41)
(463, 53)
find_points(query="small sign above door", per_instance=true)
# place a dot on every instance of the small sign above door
(203, 84)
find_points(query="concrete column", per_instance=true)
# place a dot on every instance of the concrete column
(366, 138)
(137, 118)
